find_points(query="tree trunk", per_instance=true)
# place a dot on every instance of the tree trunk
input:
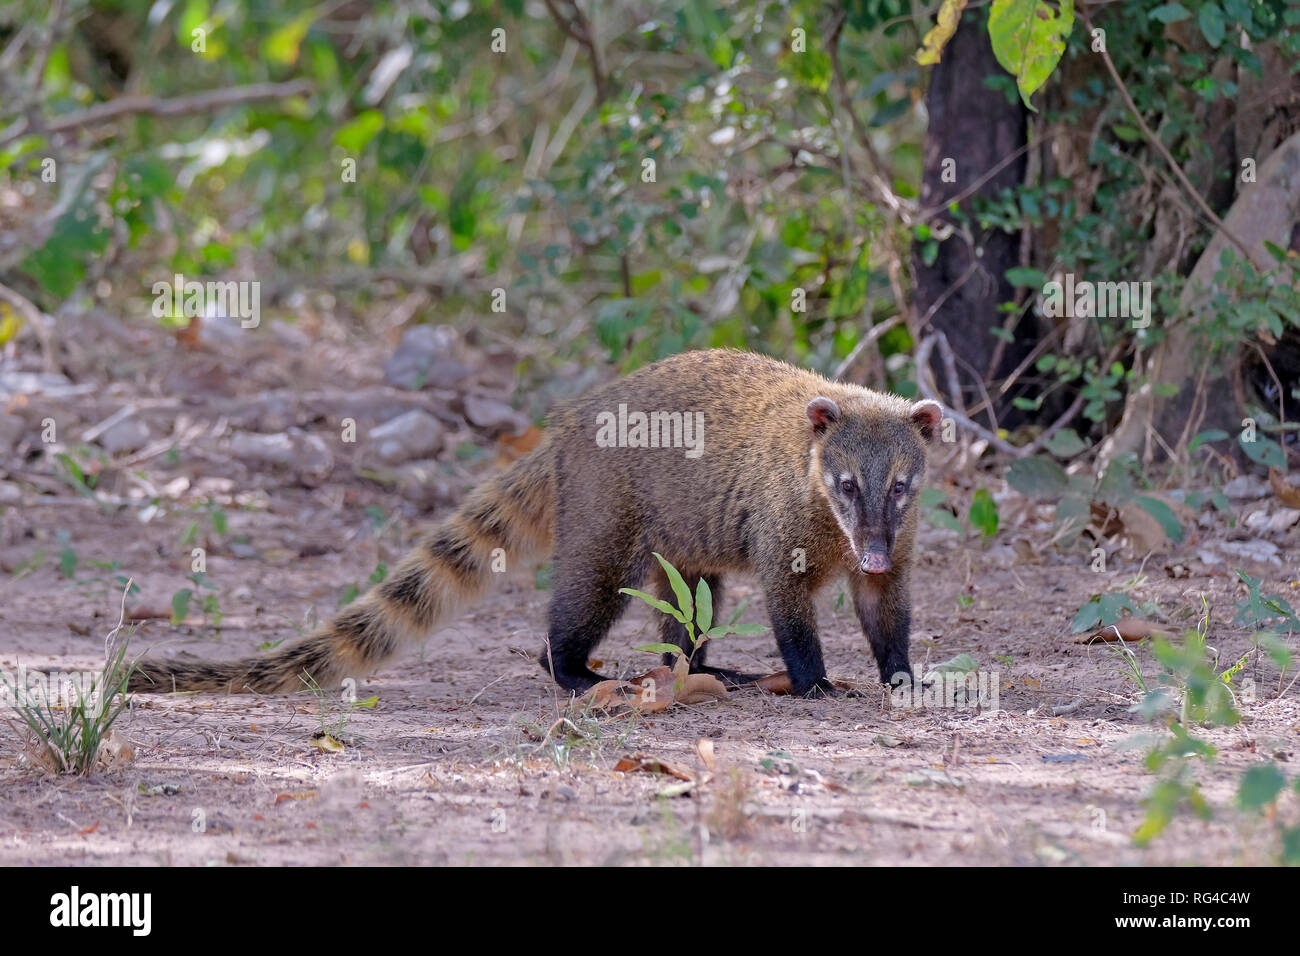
(1209, 393)
(972, 129)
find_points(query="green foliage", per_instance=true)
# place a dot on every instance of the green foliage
(1263, 610)
(1028, 39)
(70, 733)
(695, 613)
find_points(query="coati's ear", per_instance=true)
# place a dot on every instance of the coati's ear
(823, 413)
(927, 415)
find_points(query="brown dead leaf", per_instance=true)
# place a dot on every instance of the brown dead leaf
(294, 796)
(512, 447)
(1286, 493)
(648, 693)
(189, 336)
(697, 688)
(1125, 629)
(778, 683)
(704, 747)
(1144, 532)
(641, 763)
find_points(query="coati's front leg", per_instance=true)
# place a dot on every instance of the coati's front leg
(884, 607)
(794, 622)
(674, 632)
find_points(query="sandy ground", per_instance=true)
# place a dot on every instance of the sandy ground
(459, 760)
(464, 758)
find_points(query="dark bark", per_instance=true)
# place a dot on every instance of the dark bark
(978, 128)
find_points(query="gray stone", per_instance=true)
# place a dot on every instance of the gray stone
(1246, 488)
(128, 435)
(424, 358)
(413, 434)
(493, 415)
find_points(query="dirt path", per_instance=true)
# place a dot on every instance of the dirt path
(453, 764)
(463, 757)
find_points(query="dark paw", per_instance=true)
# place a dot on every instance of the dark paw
(820, 688)
(895, 677)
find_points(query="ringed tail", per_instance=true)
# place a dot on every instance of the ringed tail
(451, 566)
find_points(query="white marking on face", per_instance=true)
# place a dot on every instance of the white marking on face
(831, 485)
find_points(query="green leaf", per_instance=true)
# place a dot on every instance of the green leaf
(1065, 444)
(659, 648)
(67, 562)
(748, 630)
(1028, 39)
(1087, 619)
(1264, 451)
(282, 45)
(1026, 278)
(355, 136)
(984, 513)
(1210, 434)
(1164, 514)
(1260, 786)
(1212, 23)
(703, 606)
(943, 518)
(679, 588)
(654, 602)
(1169, 13)
(369, 703)
(180, 605)
(961, 664)
(1038, 477)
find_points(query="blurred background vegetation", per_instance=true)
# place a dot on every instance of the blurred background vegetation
(645, 177)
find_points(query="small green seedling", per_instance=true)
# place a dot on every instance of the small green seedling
(695, 614)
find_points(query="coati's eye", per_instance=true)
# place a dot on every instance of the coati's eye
(847, 486)
(900, 488)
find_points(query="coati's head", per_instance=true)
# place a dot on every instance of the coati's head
(871, 467)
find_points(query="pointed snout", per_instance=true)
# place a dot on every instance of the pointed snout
(876, 561)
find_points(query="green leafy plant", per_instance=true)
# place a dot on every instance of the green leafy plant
(696, 614)
(1261, 610)
(69, 734)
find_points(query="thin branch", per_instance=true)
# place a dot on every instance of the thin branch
(102, 113)
(931, 211)
(579, 27)
(1160, 147)
(876, 174)
(873, 333)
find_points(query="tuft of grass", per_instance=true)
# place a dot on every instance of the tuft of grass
(69, 735)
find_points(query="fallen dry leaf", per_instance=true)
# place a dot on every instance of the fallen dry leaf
(649, 693)
(1125, 629)
(1286, 493)
(640, 763)
(704, 747)
(779, 683)
(294, 796)
(516, 446)
(697, 688)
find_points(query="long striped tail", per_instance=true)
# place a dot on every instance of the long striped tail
(452, 565)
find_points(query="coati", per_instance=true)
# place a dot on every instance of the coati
(720, 461)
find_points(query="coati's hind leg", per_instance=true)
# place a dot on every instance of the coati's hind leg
(674, 632)
(585, 603)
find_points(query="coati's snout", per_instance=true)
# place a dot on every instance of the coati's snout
(871, 466)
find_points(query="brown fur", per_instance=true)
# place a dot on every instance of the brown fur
(754, 496)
